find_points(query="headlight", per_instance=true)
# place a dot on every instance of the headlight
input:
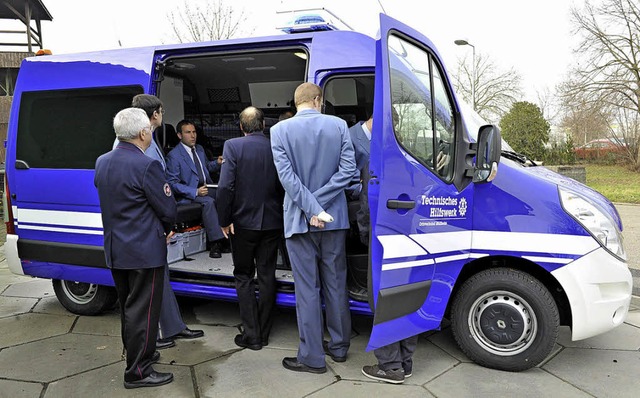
(596, 221)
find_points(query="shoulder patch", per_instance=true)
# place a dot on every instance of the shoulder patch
(167, 189)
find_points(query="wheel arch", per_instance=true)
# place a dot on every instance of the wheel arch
(484, 263)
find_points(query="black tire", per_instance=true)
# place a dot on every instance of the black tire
(505, 319)
(84, 298)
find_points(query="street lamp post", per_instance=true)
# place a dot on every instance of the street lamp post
(464, 42)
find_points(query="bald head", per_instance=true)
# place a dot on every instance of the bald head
(251, 120)
(306, 93)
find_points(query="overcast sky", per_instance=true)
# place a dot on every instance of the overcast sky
(534, 37)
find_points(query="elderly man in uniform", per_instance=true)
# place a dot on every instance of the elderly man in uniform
(137, 212)
(315, 161)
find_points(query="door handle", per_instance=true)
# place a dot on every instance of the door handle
(400, 204)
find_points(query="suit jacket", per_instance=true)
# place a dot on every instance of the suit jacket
(137, 207)
(182, 174)
(249, 193)
(361, 146)
(315, 161)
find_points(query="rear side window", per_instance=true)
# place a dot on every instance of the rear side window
(69, 129)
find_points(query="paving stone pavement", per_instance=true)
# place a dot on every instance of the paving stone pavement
(47, 352)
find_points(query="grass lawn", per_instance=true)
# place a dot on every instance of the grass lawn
(617, 183)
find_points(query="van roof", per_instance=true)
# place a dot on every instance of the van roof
(346, 48)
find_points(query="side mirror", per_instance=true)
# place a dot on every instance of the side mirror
(488, 154)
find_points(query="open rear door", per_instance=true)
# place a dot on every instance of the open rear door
(420, 227)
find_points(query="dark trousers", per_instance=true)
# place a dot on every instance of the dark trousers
(140, 295)
(319, 266)
(255, 250)
(171, 322)
(397, 355)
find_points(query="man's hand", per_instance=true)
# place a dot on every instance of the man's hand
(169, 236)
(228, 230)
(442, 160)
(203, 191)
(315, 222)
(220, 159)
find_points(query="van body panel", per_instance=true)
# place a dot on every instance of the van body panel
(599, 289)
(399, 255)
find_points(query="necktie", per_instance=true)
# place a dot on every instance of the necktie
(196, 160)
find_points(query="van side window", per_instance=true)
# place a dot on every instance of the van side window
(69, 128)
(423, 114)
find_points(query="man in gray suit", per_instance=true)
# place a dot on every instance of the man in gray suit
(315, 161)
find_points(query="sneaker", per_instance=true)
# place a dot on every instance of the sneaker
(393, 376)
(408, 373)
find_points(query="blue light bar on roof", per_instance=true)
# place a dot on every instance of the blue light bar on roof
(308, 23)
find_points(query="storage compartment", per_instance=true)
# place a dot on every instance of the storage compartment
(175, 249)
(194, 241)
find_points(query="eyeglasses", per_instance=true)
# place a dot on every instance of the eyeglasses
(160, 111)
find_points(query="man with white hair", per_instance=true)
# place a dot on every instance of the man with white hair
(138, 210)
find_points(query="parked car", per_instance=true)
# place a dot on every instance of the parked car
(599, 148)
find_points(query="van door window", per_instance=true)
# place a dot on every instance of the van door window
(423, 114)
(69, 129)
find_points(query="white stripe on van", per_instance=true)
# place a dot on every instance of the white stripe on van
(532, 242)
(67, 230)
(395, 246)
(407, 264)
(59, 218)
(556, 260)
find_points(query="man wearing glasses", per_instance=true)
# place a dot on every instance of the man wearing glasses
(171, 324)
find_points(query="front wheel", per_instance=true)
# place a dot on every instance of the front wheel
(505, 319)
(84, 298)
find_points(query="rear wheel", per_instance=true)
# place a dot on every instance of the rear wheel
(84, 298)
(505, 319)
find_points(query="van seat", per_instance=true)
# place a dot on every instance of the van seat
(189, 215)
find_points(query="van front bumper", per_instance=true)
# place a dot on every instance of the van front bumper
(11, 253)
(598, 287)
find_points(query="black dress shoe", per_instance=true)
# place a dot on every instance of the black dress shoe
(155, 357)
(325, 346)
(292, 363)
(154, 379)
(215, 251)
(189, 334)
(241, 341)
(161, 344)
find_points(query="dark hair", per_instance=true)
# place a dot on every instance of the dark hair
(251, 120)
(181, 123)
(148, 103)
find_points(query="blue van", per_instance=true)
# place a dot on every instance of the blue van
(508, 253)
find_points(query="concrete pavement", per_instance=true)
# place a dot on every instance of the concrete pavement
(48, 352)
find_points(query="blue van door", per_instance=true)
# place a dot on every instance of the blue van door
(420, 220)
(64, 107)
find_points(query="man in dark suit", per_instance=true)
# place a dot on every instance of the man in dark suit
(171, 324)
(361, 138)
(188, 174)
(249, 201)
(315, 161)
(137, 212)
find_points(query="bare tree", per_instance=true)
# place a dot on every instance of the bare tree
(585, 118)
(207, 20)
(495, 90)
(608, 71)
